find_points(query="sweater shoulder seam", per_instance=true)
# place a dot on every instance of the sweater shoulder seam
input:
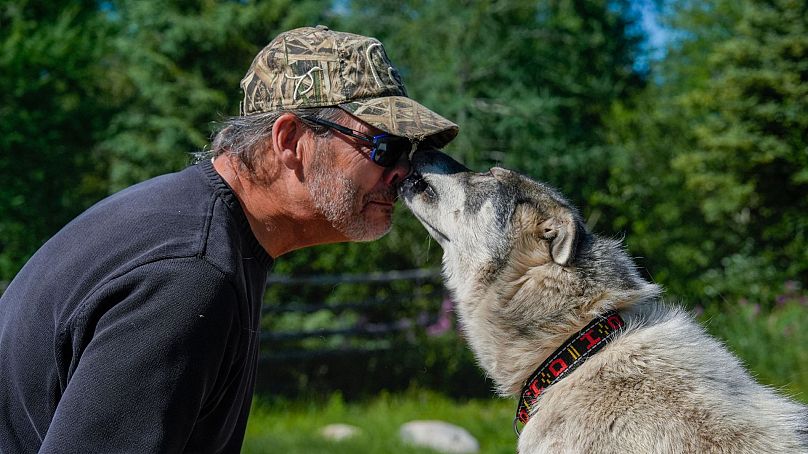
(81, 307)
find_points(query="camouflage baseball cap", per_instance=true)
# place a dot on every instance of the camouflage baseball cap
(318, 67)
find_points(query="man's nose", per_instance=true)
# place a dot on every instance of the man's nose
(396, 174)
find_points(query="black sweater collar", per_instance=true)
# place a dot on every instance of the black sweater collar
(225, 192)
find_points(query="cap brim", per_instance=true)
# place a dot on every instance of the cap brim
(401, 116)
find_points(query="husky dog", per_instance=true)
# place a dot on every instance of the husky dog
(527, 277)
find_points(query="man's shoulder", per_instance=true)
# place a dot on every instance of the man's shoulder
(158, 218)
(181, 188)
(163, 218)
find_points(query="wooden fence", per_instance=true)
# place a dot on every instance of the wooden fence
(356, 333)
(344, 322)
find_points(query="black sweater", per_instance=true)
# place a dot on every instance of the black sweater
(135, 328)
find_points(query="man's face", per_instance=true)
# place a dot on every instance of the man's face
(354, 194)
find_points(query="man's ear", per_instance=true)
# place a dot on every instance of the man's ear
(286, 133)
(563, 234)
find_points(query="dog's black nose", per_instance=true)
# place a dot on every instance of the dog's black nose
(413, 184)
(419, 185)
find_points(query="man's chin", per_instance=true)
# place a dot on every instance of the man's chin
(375, 209)
(370, 228)
(373, 236)
(377, 230)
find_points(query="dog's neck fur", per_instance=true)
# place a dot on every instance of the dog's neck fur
(511, 327)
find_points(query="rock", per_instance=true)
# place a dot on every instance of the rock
(440, 436)
(339, 432)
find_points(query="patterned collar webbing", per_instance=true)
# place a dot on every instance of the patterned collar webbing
(564, 360)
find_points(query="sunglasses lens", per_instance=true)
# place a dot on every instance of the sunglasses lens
(389, 149)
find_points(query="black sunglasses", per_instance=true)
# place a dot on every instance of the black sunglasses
(385, 148)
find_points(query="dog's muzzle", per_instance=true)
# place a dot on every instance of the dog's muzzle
(412, 185)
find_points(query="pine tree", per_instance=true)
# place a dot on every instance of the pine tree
(711, 182)
(52, 111)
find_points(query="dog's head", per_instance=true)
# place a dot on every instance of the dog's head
(487, 223)
(519, 262)
(503, 226)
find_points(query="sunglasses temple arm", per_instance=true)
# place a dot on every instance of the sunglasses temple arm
(343, 129)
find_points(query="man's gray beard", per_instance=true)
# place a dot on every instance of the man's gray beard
(336, 197)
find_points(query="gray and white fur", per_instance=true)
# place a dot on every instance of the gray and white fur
(526, 275)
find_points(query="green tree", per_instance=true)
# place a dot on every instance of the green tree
(717, 152)
(176, 70)
(52, 112)
(750, 159)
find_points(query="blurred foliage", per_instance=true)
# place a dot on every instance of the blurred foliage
(175, 74)
(52, 115)
(708, 173)
(769, 340)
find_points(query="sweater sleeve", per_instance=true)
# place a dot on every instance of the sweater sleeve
(142, 357)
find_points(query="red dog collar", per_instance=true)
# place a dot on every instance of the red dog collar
(564, 360)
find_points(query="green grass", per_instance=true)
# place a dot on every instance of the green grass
(292, 427)
(772, 343)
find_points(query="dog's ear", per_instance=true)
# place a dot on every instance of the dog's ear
(562, 233)
(501, 174)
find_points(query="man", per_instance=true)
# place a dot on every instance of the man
(135, 328)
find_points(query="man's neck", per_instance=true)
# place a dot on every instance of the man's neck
(281, 219)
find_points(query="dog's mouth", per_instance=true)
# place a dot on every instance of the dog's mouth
(439, 236)
(412, 186)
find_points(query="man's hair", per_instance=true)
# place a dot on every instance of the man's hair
(245, 136)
